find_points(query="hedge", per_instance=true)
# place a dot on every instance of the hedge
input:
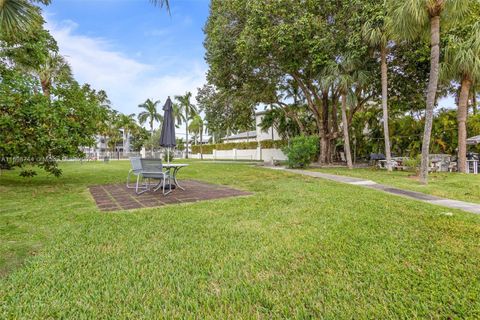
(265, 144)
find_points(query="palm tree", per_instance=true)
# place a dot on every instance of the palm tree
(462, 64)
(150, 114)
(377, 34)
(17, 16)
(110, 129)
(178, 116)
(189, 110)
(196, 127)
(412, 17)
(128, 124)
(346, 74)
(346, 137)
(55, 69)
(161, 3)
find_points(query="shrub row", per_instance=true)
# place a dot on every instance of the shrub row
(266, 144)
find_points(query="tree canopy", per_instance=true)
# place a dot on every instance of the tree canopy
(259, 52)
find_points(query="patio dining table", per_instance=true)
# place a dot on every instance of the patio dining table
(173, 169)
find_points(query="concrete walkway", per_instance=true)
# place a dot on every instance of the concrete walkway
(454, 204)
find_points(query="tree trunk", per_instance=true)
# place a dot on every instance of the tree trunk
(45, 88)
(322, 159)
(326, 125)
(124, 138)
(201, 143)
(186, 132)
(431, 92)
(386, 133)
(348, 155)
(151, 136)
(462, 124)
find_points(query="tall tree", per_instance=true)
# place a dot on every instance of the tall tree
(178, 115)
(377, 34)
(111, 130)
(197, 128)
(17, 16)
(411, 18)
(462, 65)
(189, 111)
(129, 126)
(150, 114)
(254, 48)
(55, 69)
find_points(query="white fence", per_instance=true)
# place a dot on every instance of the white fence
(258, 154)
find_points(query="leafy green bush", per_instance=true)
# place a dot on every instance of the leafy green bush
(301, 151)
(36, 130)
(413, 163)
(168, 154)
(273, 144)
(208, 148)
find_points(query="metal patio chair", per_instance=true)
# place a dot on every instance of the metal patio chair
(148, 169)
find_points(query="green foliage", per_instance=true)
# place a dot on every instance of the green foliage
(196, 126)
(139, 138)
(37, 131)
(413, 163)
(180, 144)
(153, 141)
(45, 115)
(273, 144)
(301, 151)
(406, 131)
(19, 17)
(168, 155)
(150, 114)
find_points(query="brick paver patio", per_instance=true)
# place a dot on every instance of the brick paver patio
(114, 197)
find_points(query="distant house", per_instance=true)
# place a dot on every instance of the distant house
(101, 146)
(248, 136)
(257, 135)
(196, 142)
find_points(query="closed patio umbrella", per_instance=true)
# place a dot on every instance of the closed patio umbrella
(167, 138)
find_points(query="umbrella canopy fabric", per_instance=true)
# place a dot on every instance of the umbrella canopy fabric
(473, 140)
(167, 138)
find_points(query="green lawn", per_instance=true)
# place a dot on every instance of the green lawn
(298, 248)
(465, 187)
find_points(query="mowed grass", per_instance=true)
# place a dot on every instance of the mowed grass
(457, 186)
(297, 248)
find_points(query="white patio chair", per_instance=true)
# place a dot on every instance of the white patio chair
(147, 169)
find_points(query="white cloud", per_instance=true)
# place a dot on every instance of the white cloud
(127, 80)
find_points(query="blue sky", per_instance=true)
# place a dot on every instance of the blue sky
(130, 48)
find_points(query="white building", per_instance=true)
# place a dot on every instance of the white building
(257, 135)
(101, 148)
(247, 136)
